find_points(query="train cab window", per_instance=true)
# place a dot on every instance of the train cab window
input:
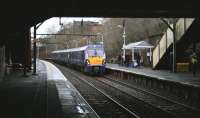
(91, 53)
(100, 52)
(95, 52)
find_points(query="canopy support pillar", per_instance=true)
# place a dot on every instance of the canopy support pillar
(150, 55)
(133, 58)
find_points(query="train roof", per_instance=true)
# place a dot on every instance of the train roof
(71, 50)
(75, 49)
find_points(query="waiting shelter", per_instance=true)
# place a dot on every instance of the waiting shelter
(138, 46)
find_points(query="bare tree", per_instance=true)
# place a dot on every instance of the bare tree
(136, 29)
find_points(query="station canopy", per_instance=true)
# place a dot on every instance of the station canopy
(138, 45)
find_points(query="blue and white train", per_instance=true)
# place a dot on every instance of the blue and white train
(90, 58)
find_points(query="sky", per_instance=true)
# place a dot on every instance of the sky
(54, 23)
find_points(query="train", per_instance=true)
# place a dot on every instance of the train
(90, 58)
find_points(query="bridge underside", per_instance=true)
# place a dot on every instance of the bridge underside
(17, 18)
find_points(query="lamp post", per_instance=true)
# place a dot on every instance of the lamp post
(124, 44)
(124, 38)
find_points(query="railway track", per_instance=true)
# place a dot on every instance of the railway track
(103, 104)
(144, 103)
(173, 107)
(138, 107)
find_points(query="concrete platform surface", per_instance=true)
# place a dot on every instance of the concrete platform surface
(185, 78)
(73, 104)
(45, 95)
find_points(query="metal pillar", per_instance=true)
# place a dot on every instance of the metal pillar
(26, 52)
(150, 55)
(174, 42)
(35, 48)
(174, 46)
(133, 58)
(124, 37)
(29, 51)
(38, 51)
(34, 52)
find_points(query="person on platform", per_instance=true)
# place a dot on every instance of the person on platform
(194, 62)
(138, 58)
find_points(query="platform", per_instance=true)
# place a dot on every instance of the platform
(45, 95)
(182, 87)
(185, 78)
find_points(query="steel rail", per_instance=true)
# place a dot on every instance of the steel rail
(135, 115)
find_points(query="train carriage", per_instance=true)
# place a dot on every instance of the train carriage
(89, 58)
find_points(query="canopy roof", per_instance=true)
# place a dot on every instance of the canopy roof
(138, 45)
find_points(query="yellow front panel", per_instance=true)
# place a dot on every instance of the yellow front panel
(96, 60)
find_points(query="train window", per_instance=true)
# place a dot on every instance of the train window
(82, 55)
(100, 52)
(94, 52)
(91, 53)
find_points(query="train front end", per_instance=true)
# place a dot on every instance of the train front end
(95, 59)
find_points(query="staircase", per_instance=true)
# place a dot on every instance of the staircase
(161, 51)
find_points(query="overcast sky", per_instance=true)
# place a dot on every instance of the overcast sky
(54, 23)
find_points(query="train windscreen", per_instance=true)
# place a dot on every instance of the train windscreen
(95, 52)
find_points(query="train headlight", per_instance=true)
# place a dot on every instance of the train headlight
(88, 62)
(104, 61)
